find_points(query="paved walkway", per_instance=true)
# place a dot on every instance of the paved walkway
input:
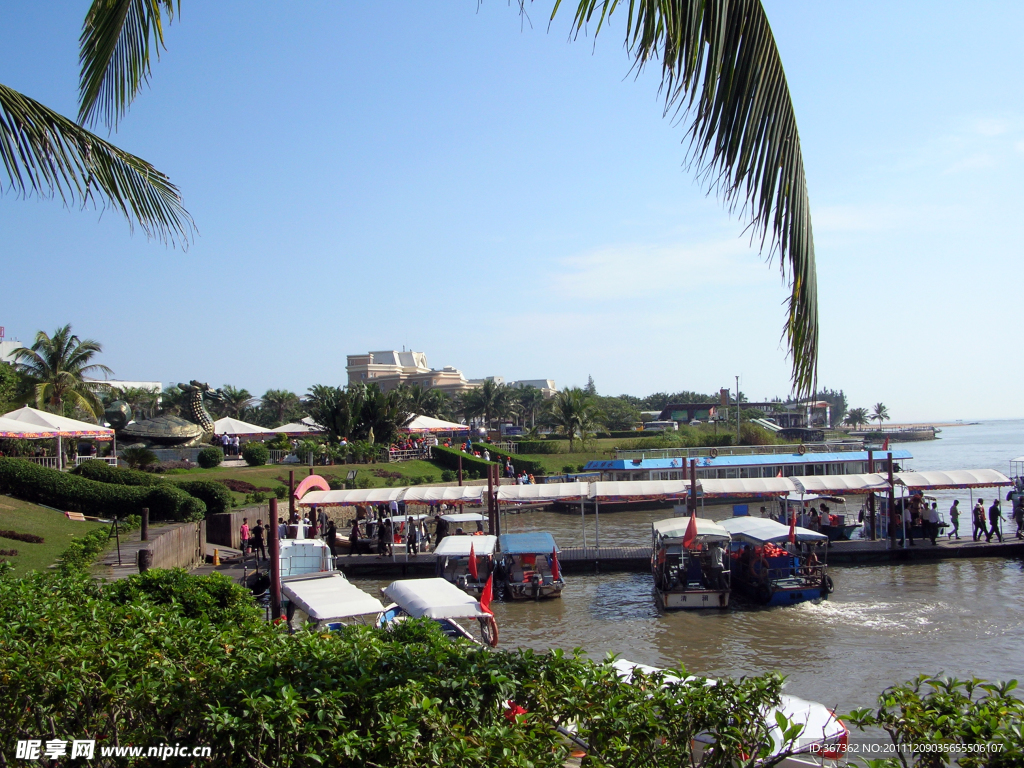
(111, 567)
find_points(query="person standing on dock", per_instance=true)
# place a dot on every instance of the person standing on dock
(243, 534)
(978, 520)
(995, 516)
(954, 519)
(1018, 516)
(259, 545)
(931, 522)
(331, 537)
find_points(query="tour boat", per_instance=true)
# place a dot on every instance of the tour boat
(840, 527)
(823, 741)
(528, 566)
(329, 600)
(687, 576)
(300, 557)
(443, 602)
(772, 571)
(466, 561)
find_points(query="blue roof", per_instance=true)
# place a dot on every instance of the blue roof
(536, 543)
(748, 460)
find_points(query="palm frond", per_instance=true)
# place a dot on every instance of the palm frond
(45, 153)
(117, 40)
(722, 71)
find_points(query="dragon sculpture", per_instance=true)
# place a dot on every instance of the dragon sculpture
(173, 431)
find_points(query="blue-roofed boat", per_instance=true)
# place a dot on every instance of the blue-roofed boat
(528, 566)
(771, 571)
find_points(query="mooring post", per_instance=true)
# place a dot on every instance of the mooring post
(460, 469)
(275, 563)
(145, 524)
(892, 506)
(291, 494)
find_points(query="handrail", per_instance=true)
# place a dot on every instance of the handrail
(737, 450)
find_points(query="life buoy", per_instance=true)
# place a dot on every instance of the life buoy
(713, 453)
(763, 594)
(802, 449)
(829, 586)
(489, 630)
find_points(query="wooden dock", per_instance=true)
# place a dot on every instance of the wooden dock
(862, 552)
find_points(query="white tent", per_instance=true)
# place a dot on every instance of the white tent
(745, 487)
(12, 428)
(543, 492)
(952, 479)
(840, 484)
(62, 425)
(639, 489)
(430, 424)
(449, 494)
(229, 426)
(350, 498)
(296, 428)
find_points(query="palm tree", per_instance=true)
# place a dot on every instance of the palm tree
(530, 400)
(720, 67)
(57, 366)
(279, 404)
(143, 401)
(574, 413)
(856, 416)
(490, 400)
(880, 414)
(234, 401)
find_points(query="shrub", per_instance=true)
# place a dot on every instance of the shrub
(281, 492)
(448, 476)
(106, 473)
(30, 482)
(568, 469)
(543, 446)
(215, 598)
(214, 495)
(137, 456)
(255, 454)
(449, 457)
(83, 550)
(521, 463)
(211, 457)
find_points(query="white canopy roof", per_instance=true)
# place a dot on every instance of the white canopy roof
(743, 486)
(759, 530)
(543, 492)
(430, 424)
(399, 519)
(296, 428)
(61, 425)
(464, 517)
(330, 596)
(831, 484)
(675, 528)
(350, 497)
(229, 426)
(458, 546)
(434, 494)
(12, 428)
(951, 479)
(639, 489)
(433, 598)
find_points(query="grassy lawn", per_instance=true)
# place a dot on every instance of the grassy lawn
(56, 530)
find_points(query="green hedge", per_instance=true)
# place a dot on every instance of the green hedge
(521, 463)
(543, 446)
(256, 454)
(210, 457)
(624, 433)
(214, 495)
(449, 457)
(30, 482)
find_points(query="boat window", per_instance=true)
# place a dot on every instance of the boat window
(730, 473)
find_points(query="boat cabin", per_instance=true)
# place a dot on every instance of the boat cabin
(453, 561)
(528, 567)
(693, 577)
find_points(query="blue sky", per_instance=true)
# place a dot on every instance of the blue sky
(449, 178)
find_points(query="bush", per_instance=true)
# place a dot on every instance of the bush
(83, 550)
(623, 433)
(255, 454)
(30, 482)
(543, 446)
(209, 458)
(448, 476)
(281, 492)
(449, 457)
(28, 538)
(521, 463)
(568, 469)
(137, 456)
(102, 472)
(214, 495)
(215, 598)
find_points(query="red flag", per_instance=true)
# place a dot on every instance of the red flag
(780, 473)
(792, 528)
(473, 570)
(488, 593)
(691, 532)
(885, 445)
(556, 572)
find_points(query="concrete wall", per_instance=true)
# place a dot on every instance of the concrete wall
(222, 529)
(183, 546)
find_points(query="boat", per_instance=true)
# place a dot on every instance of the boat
(329, 600)
(443, 602)
(770, 570)
(300, 557)
(528, 566)
(838, 528)
(466, 561)
(456, 520)
(823, 741)
(687, 577)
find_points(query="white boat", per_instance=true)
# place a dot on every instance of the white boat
(328, 599)
(528, 568)
(441, 601)
(453, 561)
(300, 557)
(822, 742)
(695, 577)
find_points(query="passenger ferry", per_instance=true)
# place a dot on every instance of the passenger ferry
(695, 577)
(443, 602)
(528, 566)
(466, 561)
(770, 570)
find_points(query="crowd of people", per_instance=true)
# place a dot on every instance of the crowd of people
(230, 444)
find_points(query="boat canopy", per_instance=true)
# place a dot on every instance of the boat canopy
(761, 530)
(464, 517)
(828, 484)
(544, 492)
(399, 519)
(458, 546)
(535, 543)
(433, 598)
(330, 596)
(807, 498)
(675, 528)
(755, 487)
(639, 490)
(952, 479)
(449, 494)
